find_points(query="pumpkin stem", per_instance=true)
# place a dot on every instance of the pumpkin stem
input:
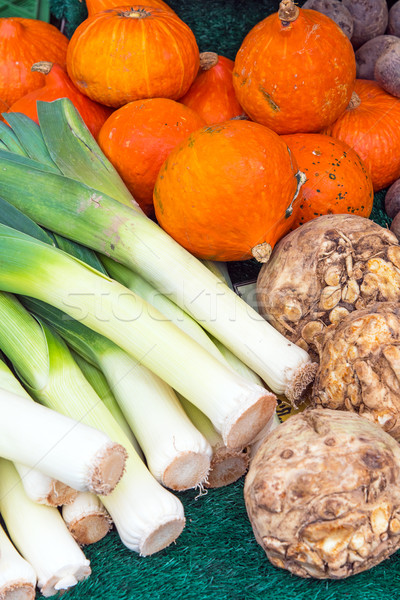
(262, 252)
(42, 67)
(288, 11)
(208, 60)
(139, 13)
(354, 101)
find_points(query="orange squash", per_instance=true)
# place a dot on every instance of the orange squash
(371, 125)
(212, 94)
(295, 71)
(139, 136)
(96, 6)
(150, 53)
(58, 85)
(227, 191)
(22, 43)
(337, 182)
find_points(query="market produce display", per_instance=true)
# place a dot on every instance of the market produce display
(133, 174)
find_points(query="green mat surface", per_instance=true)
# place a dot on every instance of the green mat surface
(216, 557)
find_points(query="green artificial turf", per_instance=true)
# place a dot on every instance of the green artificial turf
(216, 557)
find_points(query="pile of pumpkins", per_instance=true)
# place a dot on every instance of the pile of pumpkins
(228, 156)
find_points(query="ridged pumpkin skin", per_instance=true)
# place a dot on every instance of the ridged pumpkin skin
(225, 190)
(57, 84)
(22, 43)
(139, 136)
(212, 94)
(371, 125)
(96, 6)
(136, 52)
(338, 181)
(295, 77)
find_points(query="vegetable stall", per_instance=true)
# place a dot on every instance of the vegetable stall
(143, 451)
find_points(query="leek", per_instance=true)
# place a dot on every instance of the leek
(87, 519)
(172, 312)
(38, 486)
(40, 535)
(99, 383)
(17, 576)
(79, 456)
(176, 453)
(30, 138)
(147, 516)
(227, 464)
(97, 220)
(237, 408)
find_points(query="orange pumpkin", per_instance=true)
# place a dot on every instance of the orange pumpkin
(295, 71)
(371, 125)
(226, 192)
(150, 53)
(96, 6)
(212, 94)
(337, 180)
(22, 43)
(58, 85)
(139, 136)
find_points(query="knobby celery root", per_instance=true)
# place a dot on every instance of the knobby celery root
(323, 494)
(324, 270)
(359, 366)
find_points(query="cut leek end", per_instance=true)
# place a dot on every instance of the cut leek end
(91, 528)
(162, 536)
(300, 381)
(227, 466)
(60, 494)
(72, 575)
(107, 469)
(18, 590)
(188, 470)
(243, 427)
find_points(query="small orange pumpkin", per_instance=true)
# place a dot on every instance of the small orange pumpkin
(22, 43)
(139, 136)
(227, 191)
(58, 85)
(96, 6)
(337, 182)
(295, 71)
(150, 53)
(371, 125)
(212, 94)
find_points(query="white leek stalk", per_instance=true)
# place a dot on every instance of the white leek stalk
(147, 516)
(38, 486)
(17, 576)
(171, 311)
(177, 454)
(100, 385)
(44, 489)
(237, 408)
(40, 535)
(227, 464)
(93, 217)
(61, 447)
(86, 518)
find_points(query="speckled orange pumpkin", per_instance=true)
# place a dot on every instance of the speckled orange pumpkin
(226, 192)
(132, 52)
(295, 71)
(338, 181)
